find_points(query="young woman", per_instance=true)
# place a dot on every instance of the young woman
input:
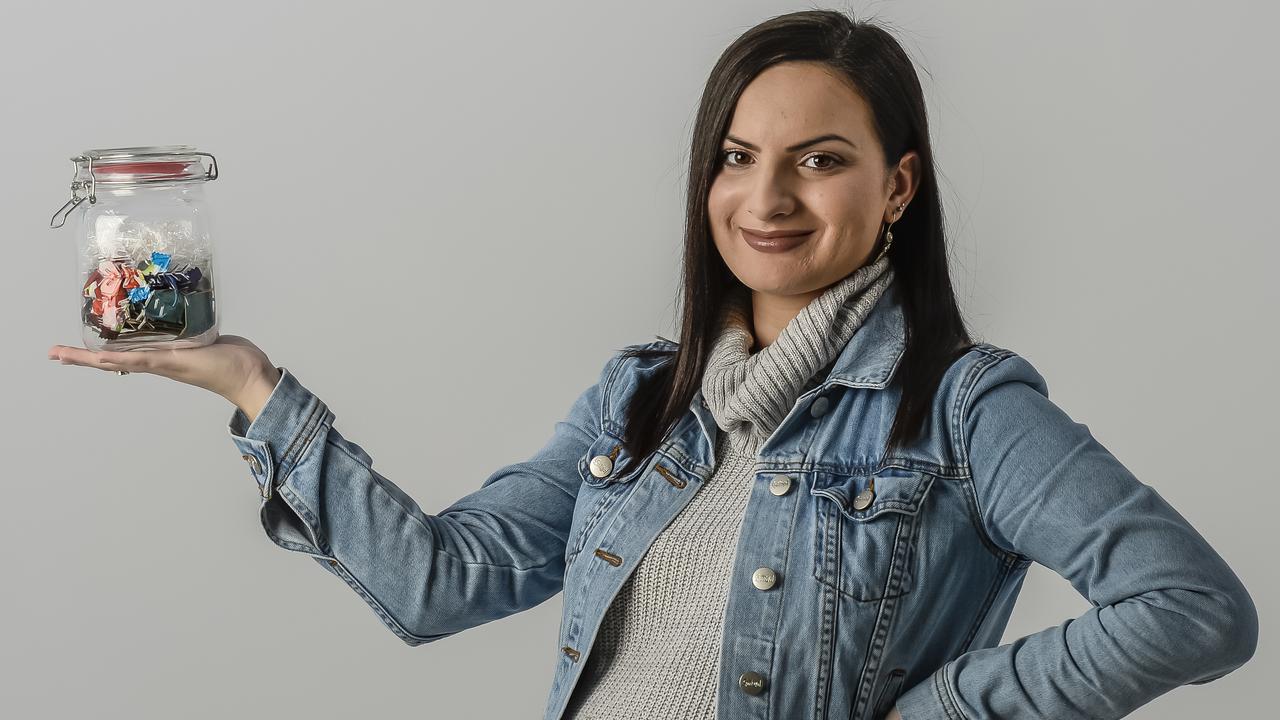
(820, 502)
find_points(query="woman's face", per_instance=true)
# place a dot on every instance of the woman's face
(770, 178)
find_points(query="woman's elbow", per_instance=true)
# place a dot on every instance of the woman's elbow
(1236, 623)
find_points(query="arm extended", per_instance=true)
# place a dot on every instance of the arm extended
(495, 552)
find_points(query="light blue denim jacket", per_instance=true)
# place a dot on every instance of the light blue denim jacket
(896, 575)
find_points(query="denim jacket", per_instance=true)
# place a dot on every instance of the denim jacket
(896, 575)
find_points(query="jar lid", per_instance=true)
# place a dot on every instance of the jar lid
(132, 166)
(146, 164)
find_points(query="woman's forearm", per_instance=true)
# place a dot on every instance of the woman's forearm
(253, 396)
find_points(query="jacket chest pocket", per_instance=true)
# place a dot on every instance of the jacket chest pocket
(603, 487)
(865, 531)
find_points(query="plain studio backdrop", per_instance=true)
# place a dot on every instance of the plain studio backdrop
(444, 218)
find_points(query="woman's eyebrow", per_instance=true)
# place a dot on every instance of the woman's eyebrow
(797, 146)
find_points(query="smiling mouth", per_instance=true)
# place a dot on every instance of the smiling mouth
(774, 244)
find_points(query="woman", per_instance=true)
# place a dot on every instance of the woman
(820, 502)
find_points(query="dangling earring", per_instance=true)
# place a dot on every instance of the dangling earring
(888, 234)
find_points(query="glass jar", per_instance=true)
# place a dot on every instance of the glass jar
(144, 246)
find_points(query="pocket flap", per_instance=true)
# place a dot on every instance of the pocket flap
(863, 497)
(609, 448)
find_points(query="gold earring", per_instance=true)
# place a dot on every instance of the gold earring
(888, 234)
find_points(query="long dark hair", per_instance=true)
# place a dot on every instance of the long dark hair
(880, 70)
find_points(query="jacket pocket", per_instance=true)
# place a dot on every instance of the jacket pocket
(889, 693)
(865, 531)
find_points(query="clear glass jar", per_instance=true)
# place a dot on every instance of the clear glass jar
(144, 246)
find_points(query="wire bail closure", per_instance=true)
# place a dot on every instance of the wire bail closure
(88, 186)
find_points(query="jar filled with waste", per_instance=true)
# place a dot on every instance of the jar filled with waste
(144, 247)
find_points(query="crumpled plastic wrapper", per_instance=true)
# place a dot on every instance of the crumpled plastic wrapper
(147, 279)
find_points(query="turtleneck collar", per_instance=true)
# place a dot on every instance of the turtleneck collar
(748, 393)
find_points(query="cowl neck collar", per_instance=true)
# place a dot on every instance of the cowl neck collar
(749, 393)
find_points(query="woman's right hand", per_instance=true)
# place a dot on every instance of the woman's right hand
(232, 367)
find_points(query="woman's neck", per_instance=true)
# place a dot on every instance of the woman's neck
(771, 313)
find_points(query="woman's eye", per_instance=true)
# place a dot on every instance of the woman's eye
(833, 161)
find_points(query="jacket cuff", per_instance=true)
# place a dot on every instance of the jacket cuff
(930, 699)
(279, 434)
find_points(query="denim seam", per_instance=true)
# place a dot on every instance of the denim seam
(974, 513)
(782, 599)
(885, 614)
(316, 413)
(893, 680)
(981, 615)
(606, 389)
(948, 697)
(828, 621)
(601, 508)
(299, 507)
(292, 498)
(395, 625)
(959, 415)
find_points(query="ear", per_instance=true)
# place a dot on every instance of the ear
(903, 182)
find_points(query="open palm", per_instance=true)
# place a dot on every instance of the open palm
(227, 366)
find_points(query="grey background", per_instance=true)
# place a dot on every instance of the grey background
(444, 218)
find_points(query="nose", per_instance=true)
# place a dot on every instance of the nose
(771, 194)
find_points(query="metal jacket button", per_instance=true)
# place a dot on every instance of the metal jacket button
(253, 463)
(864, 498)
(780, 484)
(752, 683)
(764, 578)
(601, 465)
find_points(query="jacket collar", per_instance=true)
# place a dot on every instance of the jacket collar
(868, 360)
(872, 355)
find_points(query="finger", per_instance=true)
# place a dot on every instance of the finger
(101, 359)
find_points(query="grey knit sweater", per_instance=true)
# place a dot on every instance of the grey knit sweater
(657, 654)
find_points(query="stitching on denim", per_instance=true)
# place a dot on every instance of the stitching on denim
(601, 508)
(981, 615)
(969, 492)
(885, 614)
(960, 413)
(830, 600)
(950, 701)
(391, 622)
(892, 681)
(289, 464)
(300, 508)
(611, 371)
(302, 438)
(937, 692)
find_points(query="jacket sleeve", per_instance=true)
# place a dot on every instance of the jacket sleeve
(495, 552)
(1167, 610)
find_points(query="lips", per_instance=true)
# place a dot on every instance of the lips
(779, 243)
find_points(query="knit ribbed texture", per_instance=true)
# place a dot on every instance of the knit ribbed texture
(749, 394)
(657, 653)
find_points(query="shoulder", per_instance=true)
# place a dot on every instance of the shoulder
(629, 367)
(645, 357)
(989, 375)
